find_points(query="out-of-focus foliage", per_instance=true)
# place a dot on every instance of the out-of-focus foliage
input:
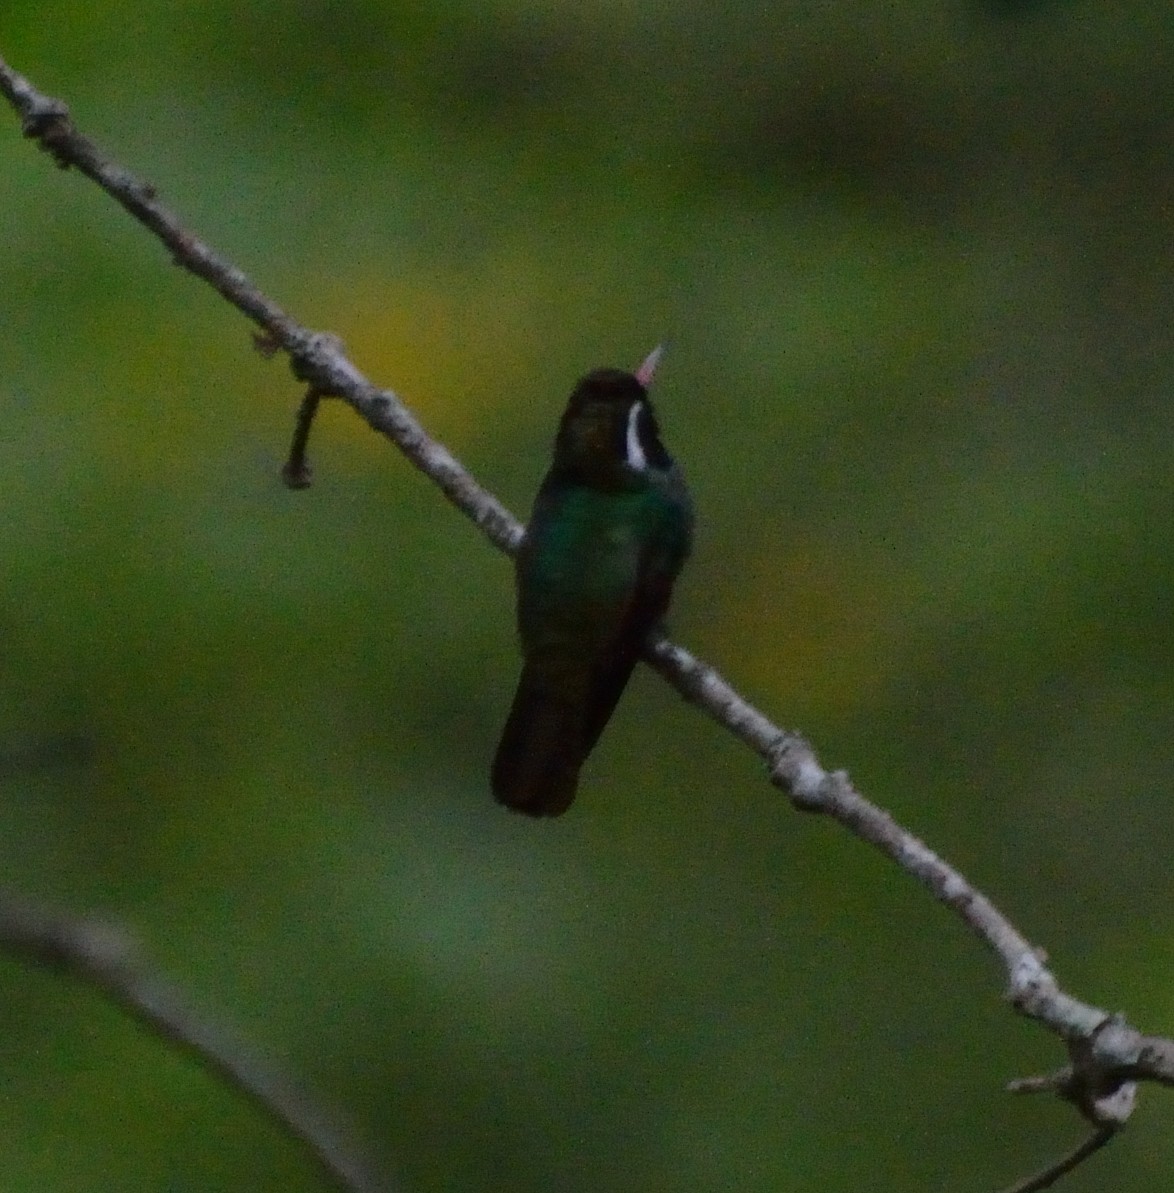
(914, 262)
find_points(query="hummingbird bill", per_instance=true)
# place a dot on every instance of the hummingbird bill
(612, 525)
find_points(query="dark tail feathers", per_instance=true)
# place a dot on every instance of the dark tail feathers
(536, 770)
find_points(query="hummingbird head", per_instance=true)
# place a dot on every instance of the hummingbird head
(608, 437)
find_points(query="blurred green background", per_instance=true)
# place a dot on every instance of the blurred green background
(915, 264)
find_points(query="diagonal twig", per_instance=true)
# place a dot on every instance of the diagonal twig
(1113, 1052)
(1047, 1177)
(104, 958)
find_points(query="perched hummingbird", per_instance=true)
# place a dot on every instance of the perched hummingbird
(611, 527)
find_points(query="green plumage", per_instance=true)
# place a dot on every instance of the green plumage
(611, 527)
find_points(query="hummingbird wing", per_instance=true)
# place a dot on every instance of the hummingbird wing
(556, 718)
(648, 599)
(648, 602)
(536, 767)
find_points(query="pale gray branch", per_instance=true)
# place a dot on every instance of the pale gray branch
(1106, 1053)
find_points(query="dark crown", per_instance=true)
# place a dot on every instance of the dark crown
(607, 410)
(606, 385)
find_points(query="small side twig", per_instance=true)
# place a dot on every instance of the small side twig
(1046, 1177)
(296, 472)
(103, 957)
(1100, 1094)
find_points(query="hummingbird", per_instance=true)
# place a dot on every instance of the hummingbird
(611, 526)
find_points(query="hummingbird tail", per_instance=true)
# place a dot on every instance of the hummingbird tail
(536, 770)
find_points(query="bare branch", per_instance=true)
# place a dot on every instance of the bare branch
(104, 958)
(316, 358)
(1105, 1052)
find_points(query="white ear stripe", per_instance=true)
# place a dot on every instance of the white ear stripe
(636, 458)
(645, 372)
